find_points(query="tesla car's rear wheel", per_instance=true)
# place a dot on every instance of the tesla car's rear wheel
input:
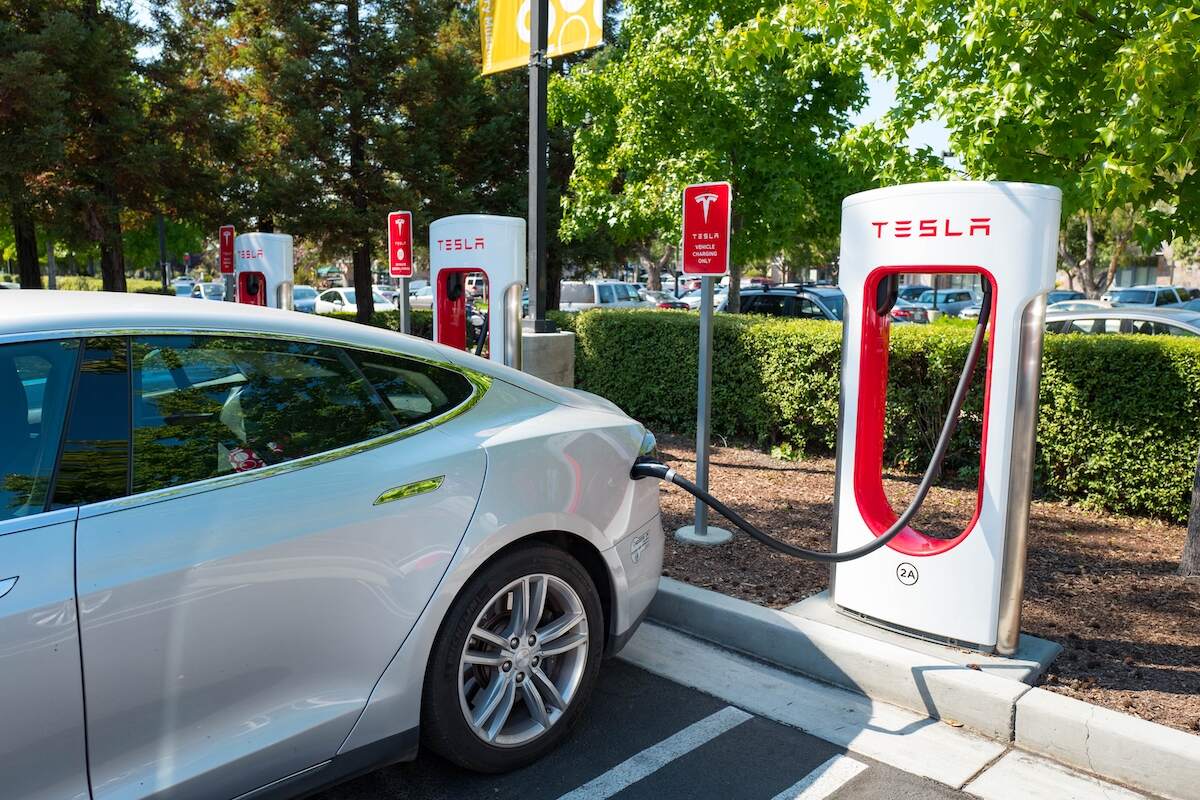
(514, 662)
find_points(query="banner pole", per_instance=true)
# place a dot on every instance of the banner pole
(539, 26)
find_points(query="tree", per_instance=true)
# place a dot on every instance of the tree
(1189, 562)
(669, 105)
(1091, 246)
(32, 123)
(1098, 98)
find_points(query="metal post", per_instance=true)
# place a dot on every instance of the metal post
(539, 27)
(405, 308)
(700, 533)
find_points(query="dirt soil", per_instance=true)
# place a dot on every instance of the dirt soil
(1102, 586)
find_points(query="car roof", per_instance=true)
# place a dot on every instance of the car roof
(40, 312)
(1183, 315)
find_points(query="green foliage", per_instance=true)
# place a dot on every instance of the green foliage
(1117, 415)
(1099, 98)
(664, 108)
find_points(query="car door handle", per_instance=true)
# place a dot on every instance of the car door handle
(409, 490)
(7, 584)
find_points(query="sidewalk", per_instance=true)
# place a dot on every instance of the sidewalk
(1025, 725)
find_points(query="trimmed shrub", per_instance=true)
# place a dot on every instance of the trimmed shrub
(1117, 422)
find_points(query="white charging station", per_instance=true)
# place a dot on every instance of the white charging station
(470, 243)
(264, 270)
(966, 589)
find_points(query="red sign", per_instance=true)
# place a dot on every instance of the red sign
(706, 211)
(400, 243)
(225, 235)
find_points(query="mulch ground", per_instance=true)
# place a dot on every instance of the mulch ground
(1102, 586)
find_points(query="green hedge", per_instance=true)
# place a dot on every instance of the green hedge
(1119, 421)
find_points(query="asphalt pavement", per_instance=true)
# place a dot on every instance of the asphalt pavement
(646, 738)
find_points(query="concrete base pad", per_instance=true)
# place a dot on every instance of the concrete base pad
(711, 537)
(1032, 659)
(549, 356)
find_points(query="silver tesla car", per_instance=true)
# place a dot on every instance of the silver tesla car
(247, 553)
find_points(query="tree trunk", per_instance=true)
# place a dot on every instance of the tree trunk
(1189, 563)
(26, 245)
(358, 158)
(112, 251)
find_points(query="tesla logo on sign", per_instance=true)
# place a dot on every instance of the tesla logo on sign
(925, 228)
(468, 243)
(400, 262)
(706, 212)
(225, 239)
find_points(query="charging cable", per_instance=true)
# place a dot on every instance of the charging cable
(647, 467)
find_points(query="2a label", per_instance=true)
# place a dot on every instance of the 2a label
(907, 574)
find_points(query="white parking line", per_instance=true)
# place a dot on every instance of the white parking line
(655, 757)
(824, 780)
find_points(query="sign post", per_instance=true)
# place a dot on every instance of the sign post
(400, 260)
(706, 212)
(225, 236)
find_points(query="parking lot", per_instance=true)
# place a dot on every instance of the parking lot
(647, 737)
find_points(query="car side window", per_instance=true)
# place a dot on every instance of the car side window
(95, 454)
(206, 406)
(330, 297)
(35, 384)
(412, 390)
(808, 309)
(1094, 326)
(774, 304)
(607, 293)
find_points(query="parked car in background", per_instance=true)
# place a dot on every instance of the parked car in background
(208, 291)
(692, 297)
(182, 287)
(1078, 305)
(950, 302)
(972, 311)
(346, 300)
(9, 285)
(582, 295)
(416, 284)
(421, 298)
(1126, 319)
(1145, 295)
(1192, 305)
(804, 302)
(1061, 295)
(387, 292)
(912, 291)
(665, 300)
(904, 311)
(323, 549)
(1193, 293)
(304, 299)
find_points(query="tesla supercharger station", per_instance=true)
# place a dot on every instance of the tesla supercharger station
(965, 589)
(263, 269)
(495, 246)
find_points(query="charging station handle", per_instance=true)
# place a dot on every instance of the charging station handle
(887, 294)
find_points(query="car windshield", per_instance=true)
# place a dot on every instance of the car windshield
(1135, 296)
(214, 291)
(303, 293)
(575, 293)
(183, 290)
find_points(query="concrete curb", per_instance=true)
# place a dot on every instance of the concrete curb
(1127, 749)
(1111, 745)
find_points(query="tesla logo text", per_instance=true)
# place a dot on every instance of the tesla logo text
(461, 244)
(924, 228)
(706, 200)
(250, 253)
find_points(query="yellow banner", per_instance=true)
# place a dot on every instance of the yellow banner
(504, 28)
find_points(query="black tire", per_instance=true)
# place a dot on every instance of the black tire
(444, 729)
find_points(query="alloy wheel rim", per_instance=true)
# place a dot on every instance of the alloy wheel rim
(523, 660)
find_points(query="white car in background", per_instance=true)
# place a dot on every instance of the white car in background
(582, 295)
(1077, 305)
(261, 552)
(421, 298)
(346, 300)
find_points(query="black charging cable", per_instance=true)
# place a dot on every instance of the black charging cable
(651, 468)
